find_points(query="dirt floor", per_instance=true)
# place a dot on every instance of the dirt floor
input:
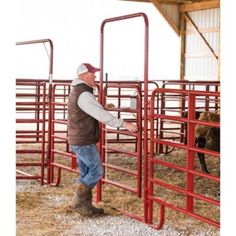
(45, 210)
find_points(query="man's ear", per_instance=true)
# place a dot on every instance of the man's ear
(83, 76)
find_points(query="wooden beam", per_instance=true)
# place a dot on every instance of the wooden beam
(158, 5)
(190, 21)
(200, 6)
(177, 2)
(174, 2)
(194, 55)
(203, 30)
(182, 46)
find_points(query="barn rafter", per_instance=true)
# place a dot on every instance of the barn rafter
(171, 9)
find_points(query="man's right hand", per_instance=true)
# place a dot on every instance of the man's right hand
(130, 126)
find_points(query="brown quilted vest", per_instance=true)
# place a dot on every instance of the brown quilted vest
(83, 129)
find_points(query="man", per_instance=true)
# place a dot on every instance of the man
(84, 115)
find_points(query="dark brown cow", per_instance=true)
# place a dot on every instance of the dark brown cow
(205, 136)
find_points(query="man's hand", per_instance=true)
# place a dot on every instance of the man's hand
(110, 105)
(130, 126)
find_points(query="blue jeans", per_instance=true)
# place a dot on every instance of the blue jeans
(90, 164)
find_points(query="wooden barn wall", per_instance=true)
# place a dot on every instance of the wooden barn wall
(202, 61)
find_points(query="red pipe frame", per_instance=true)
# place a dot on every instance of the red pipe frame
(49, 41)
(191, 150)
(146, 40)
(138, 136)
(28, 133)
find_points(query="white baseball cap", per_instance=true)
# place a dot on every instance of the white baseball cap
(86, 67)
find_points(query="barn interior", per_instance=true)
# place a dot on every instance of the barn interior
(156, 174)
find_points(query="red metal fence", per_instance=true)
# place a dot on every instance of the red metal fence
(31, 130)
(32, 108)
(188, 205)
(131, 114)
(178, 104)
(32, 101)
(59, 142)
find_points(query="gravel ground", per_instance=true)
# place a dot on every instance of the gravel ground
(62, 222)
(121, 226)
(115, 226)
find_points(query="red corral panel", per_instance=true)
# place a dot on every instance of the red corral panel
(187, 169)
(31, 130)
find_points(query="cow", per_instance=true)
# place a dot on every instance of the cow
(205, 136)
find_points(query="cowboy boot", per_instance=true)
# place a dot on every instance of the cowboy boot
(90, 205)
(80, 201)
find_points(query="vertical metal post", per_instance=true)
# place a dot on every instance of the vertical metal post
(50, 109)
(43, 132)
(207, 101)
(37, 112)
(151, 156)
(52, 132)
(190, 153)
(145, 136)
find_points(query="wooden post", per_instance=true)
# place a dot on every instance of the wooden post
(182, 46)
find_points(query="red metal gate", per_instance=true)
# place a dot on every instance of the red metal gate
(168, 105)
(34, 97)
(30, 129)
(145, 99)
(188, 205)
(61, 156)
(128, 114)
